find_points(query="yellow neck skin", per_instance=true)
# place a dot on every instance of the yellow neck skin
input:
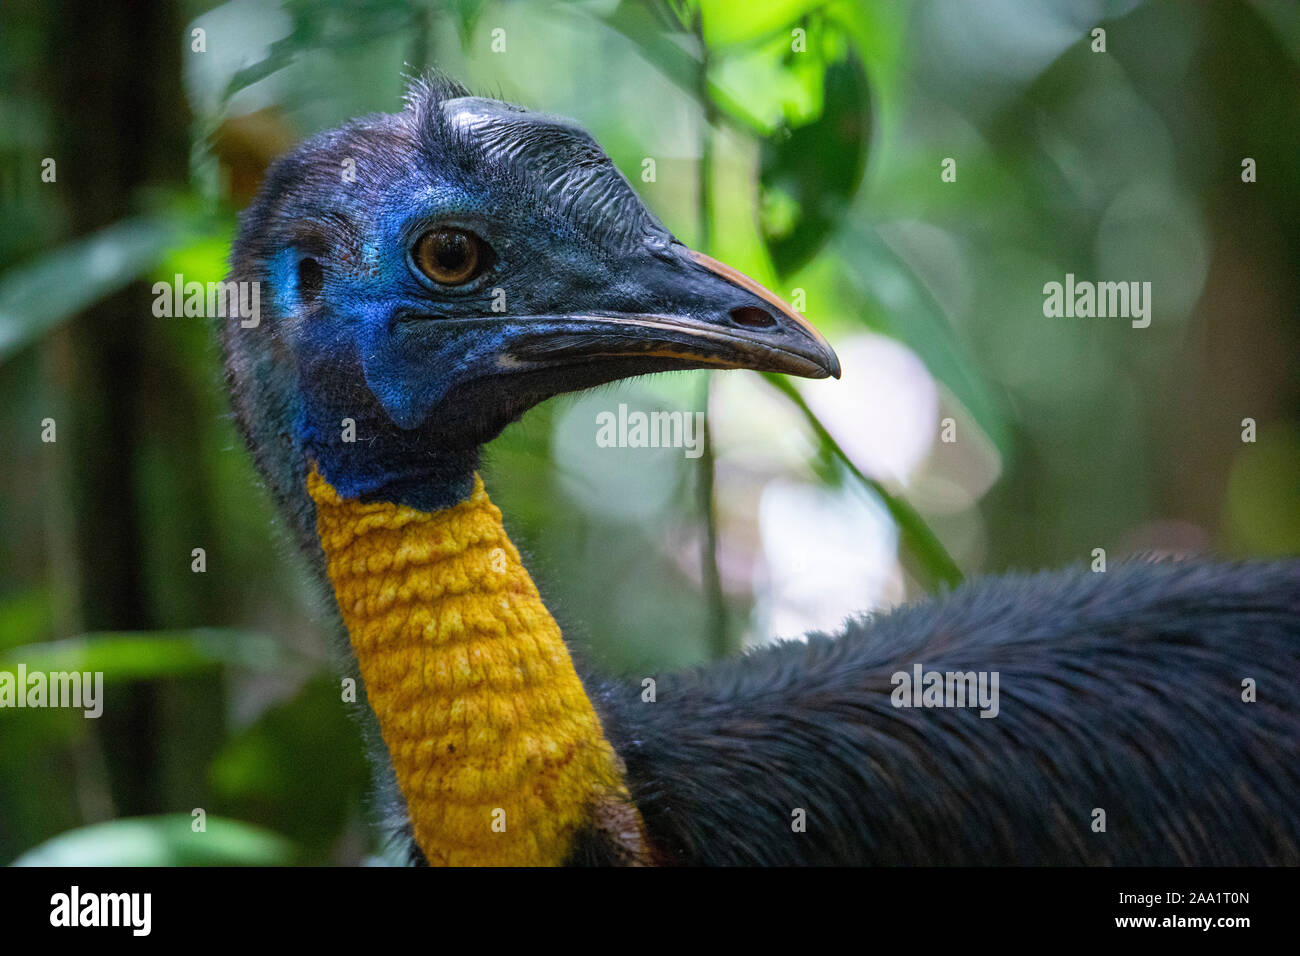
(497, 749)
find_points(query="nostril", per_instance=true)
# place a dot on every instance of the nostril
(752, 317)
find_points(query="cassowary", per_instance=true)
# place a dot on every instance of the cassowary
(474, 259)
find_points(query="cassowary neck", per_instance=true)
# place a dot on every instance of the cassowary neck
(497, 749)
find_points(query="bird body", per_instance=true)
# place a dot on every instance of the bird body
(1161, 694)
(485, 258)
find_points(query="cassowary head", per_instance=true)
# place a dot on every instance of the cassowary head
(431, 274)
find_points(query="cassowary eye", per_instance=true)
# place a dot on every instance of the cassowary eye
(450, 256)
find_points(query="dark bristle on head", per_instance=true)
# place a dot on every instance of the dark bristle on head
(427, 90)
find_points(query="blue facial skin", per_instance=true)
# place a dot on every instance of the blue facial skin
(429, 373)
(393, 345)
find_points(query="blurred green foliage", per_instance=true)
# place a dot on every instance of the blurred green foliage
(799, 140)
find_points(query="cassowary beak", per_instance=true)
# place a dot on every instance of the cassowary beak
(669, 310)
(705, 314)
(803, 342)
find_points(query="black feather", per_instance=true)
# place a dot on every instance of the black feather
(1120, 691)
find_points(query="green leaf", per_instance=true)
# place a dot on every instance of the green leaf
(466, 14)
(930, 562)
(315, 26)
(809, 173)
(38, 295)
(732, 22)
(670, 49)
(162, 841)
(24, 615)
(145, 655)
(300, 769)
(914, 317)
